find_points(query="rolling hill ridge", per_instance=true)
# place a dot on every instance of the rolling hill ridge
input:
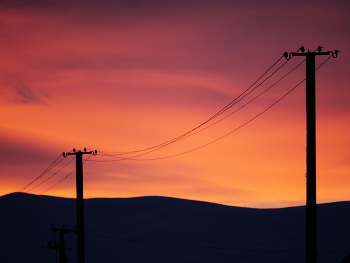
(163, 229)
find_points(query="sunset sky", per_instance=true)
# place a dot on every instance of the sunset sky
(120, 76)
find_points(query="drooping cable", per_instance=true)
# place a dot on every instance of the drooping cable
(117, 158)
(227, 134)
(51, 166)
(65, 176)
(191, 134)
(51, 175)
(224, 109)
(204, 145)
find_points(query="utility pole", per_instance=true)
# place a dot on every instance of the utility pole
(61, 246)
(311, 221)
(80, 201)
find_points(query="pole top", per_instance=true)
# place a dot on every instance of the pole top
(75, 152)
(288, 56)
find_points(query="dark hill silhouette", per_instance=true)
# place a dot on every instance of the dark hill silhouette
(163, 229)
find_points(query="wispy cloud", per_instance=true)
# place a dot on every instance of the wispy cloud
(25, 95)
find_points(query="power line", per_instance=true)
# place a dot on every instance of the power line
(51, 166)
(118, 158)
(8, 197)
(64, 178)
(211, 142)
(224, 109)
(43, 173)
(52, 175)
(188, 135)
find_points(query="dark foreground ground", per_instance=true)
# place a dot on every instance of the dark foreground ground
(161, 229)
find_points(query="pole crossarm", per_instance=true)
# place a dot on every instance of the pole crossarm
(75, 152)
(294, 54)
(319, 52)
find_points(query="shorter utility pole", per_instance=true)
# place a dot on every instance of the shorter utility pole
(80, 201)
(61, 245)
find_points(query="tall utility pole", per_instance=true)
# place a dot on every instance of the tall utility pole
(311, 221)
(80, 202)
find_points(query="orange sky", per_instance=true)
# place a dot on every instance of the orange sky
(127, 75)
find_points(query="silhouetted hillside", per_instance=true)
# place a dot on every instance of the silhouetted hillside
(162, 229)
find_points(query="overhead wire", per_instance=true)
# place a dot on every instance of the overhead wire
(117, 158)
(221, 137)
(228, 106)
(49, 168)
(46, 170)
(52, 175)
(191, 132)
(65, 176)
(58, 160)
(188, 135)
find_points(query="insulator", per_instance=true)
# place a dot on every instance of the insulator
(335, 53)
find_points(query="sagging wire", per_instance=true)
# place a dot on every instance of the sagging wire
(170, 156)
(228, 106)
